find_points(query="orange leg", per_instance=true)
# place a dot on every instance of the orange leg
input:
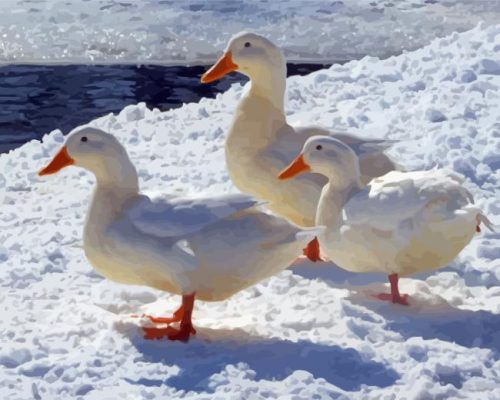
(176, 317)
(186, 326)
(312, 250)
(394, 296)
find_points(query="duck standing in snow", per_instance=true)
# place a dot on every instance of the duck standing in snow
(210, 247)
(399, 224)
(260, 142)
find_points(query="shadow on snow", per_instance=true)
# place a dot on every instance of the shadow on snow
(429, 315)
(210, 351)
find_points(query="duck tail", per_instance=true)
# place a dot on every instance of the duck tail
(484, 219)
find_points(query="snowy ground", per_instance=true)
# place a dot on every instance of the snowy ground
(312, 332)
(168, 31)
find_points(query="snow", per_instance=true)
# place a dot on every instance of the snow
(189, 31)
(311, 332)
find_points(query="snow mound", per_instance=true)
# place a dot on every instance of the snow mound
(313, 332)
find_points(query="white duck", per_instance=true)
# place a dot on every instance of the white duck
(401, 223)
(211, 247)
(260, 142)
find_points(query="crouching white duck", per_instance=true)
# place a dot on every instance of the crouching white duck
(260, 142)
(210, 247)
(401, 223)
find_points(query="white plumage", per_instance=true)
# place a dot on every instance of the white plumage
(261, 143)
(400, 223)
(210, 247)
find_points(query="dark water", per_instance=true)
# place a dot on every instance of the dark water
(35, 100)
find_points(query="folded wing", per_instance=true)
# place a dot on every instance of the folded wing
(390, 200)
(169, 216)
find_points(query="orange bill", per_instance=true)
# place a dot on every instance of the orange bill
(222, 67)
(296, 167)
(61, 159)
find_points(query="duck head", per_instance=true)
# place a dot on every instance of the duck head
(250, 54)
(96, 151)
(326, 156)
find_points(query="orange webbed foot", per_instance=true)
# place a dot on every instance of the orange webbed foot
(312, 251)
(153, 333)
(394, 297)
(182, 315)
(401, 299)
(182, 334)
(161, 320)
(176, 317)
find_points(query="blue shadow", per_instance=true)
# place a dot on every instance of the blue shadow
(335, 276)
(445, 322)
(271, 359)
(472, 329)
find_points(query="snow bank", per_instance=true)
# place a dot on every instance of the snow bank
(152, 31)
(314, 332)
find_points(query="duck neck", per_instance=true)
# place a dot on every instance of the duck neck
(270, 83)
(260, 115)
(333, 199)
(115, 185)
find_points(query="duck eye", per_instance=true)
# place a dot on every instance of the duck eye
(248, 44)
(84, 138)
(319, 147)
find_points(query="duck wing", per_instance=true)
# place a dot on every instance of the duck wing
(169, 216)
(390, 200)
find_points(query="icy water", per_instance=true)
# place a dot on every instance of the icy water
(35, 100)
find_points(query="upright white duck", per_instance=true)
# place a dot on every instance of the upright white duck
(260, 142)
(209, 247)
(401, 223)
